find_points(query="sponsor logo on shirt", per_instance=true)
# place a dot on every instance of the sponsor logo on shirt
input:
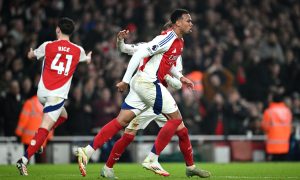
(154, 47)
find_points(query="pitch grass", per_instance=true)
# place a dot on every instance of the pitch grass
(177, 170)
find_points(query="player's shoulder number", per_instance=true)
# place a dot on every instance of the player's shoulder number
(61, 66)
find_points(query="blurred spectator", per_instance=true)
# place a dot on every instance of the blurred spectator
(260, 79)
(27, 89)
(17, 68)
(190, 110)
(275, 82)
(6, 78)
(290, 72)
(88, 96)
(237, 67)
(104, 109)
(217, 79)
(17, 31)
(80, 122)
(11, 108)
(295, 107)
(235, 113)
(255, 117)
(271, 48)
(213, 121)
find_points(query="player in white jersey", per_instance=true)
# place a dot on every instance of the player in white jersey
(155, 60)
(142, 121)
(146, 117)
(60, 59)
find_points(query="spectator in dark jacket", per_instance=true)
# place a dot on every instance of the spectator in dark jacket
(11, 108)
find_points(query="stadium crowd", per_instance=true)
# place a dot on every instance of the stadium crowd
(239, 54)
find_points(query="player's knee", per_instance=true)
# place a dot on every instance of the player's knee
(125, 117)
(181, 126)
(122, 122)
(64, 113)
(176, 122)
(174, 115)
(47, 122)
(65, 116)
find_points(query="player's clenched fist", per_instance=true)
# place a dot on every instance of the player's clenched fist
(122, 34)
(122, 86)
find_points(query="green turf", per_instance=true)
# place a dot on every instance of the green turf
(177, 170)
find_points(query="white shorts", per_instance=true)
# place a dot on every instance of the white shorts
(53, 106)
(144, 95)
(142, 120)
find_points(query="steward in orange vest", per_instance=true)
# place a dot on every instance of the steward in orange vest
(30, 120)
(277, 124)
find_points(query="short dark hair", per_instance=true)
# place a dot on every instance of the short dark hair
(177, 14)
(66, 25)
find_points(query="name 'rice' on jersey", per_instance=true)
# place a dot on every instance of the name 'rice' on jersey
(61, 58)
(164, 50)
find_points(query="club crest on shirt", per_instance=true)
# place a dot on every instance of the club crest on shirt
(174, 58)
(32, 142)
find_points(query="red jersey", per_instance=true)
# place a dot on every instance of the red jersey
(61, 58)
(163, 52)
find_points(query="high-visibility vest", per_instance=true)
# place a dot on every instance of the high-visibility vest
(30, 120)
(277, 124)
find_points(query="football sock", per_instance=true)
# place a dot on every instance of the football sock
(191, 167)
(105, 167)
(152, 156)
(118, 149)
(59, 121)
(89, 151)
(165, 134)
(106, 132)
(24, 160)
(36, 142)
(185, 146)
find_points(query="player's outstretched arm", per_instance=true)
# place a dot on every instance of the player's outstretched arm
(122, 35)
(122, 46)
(30, 54)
